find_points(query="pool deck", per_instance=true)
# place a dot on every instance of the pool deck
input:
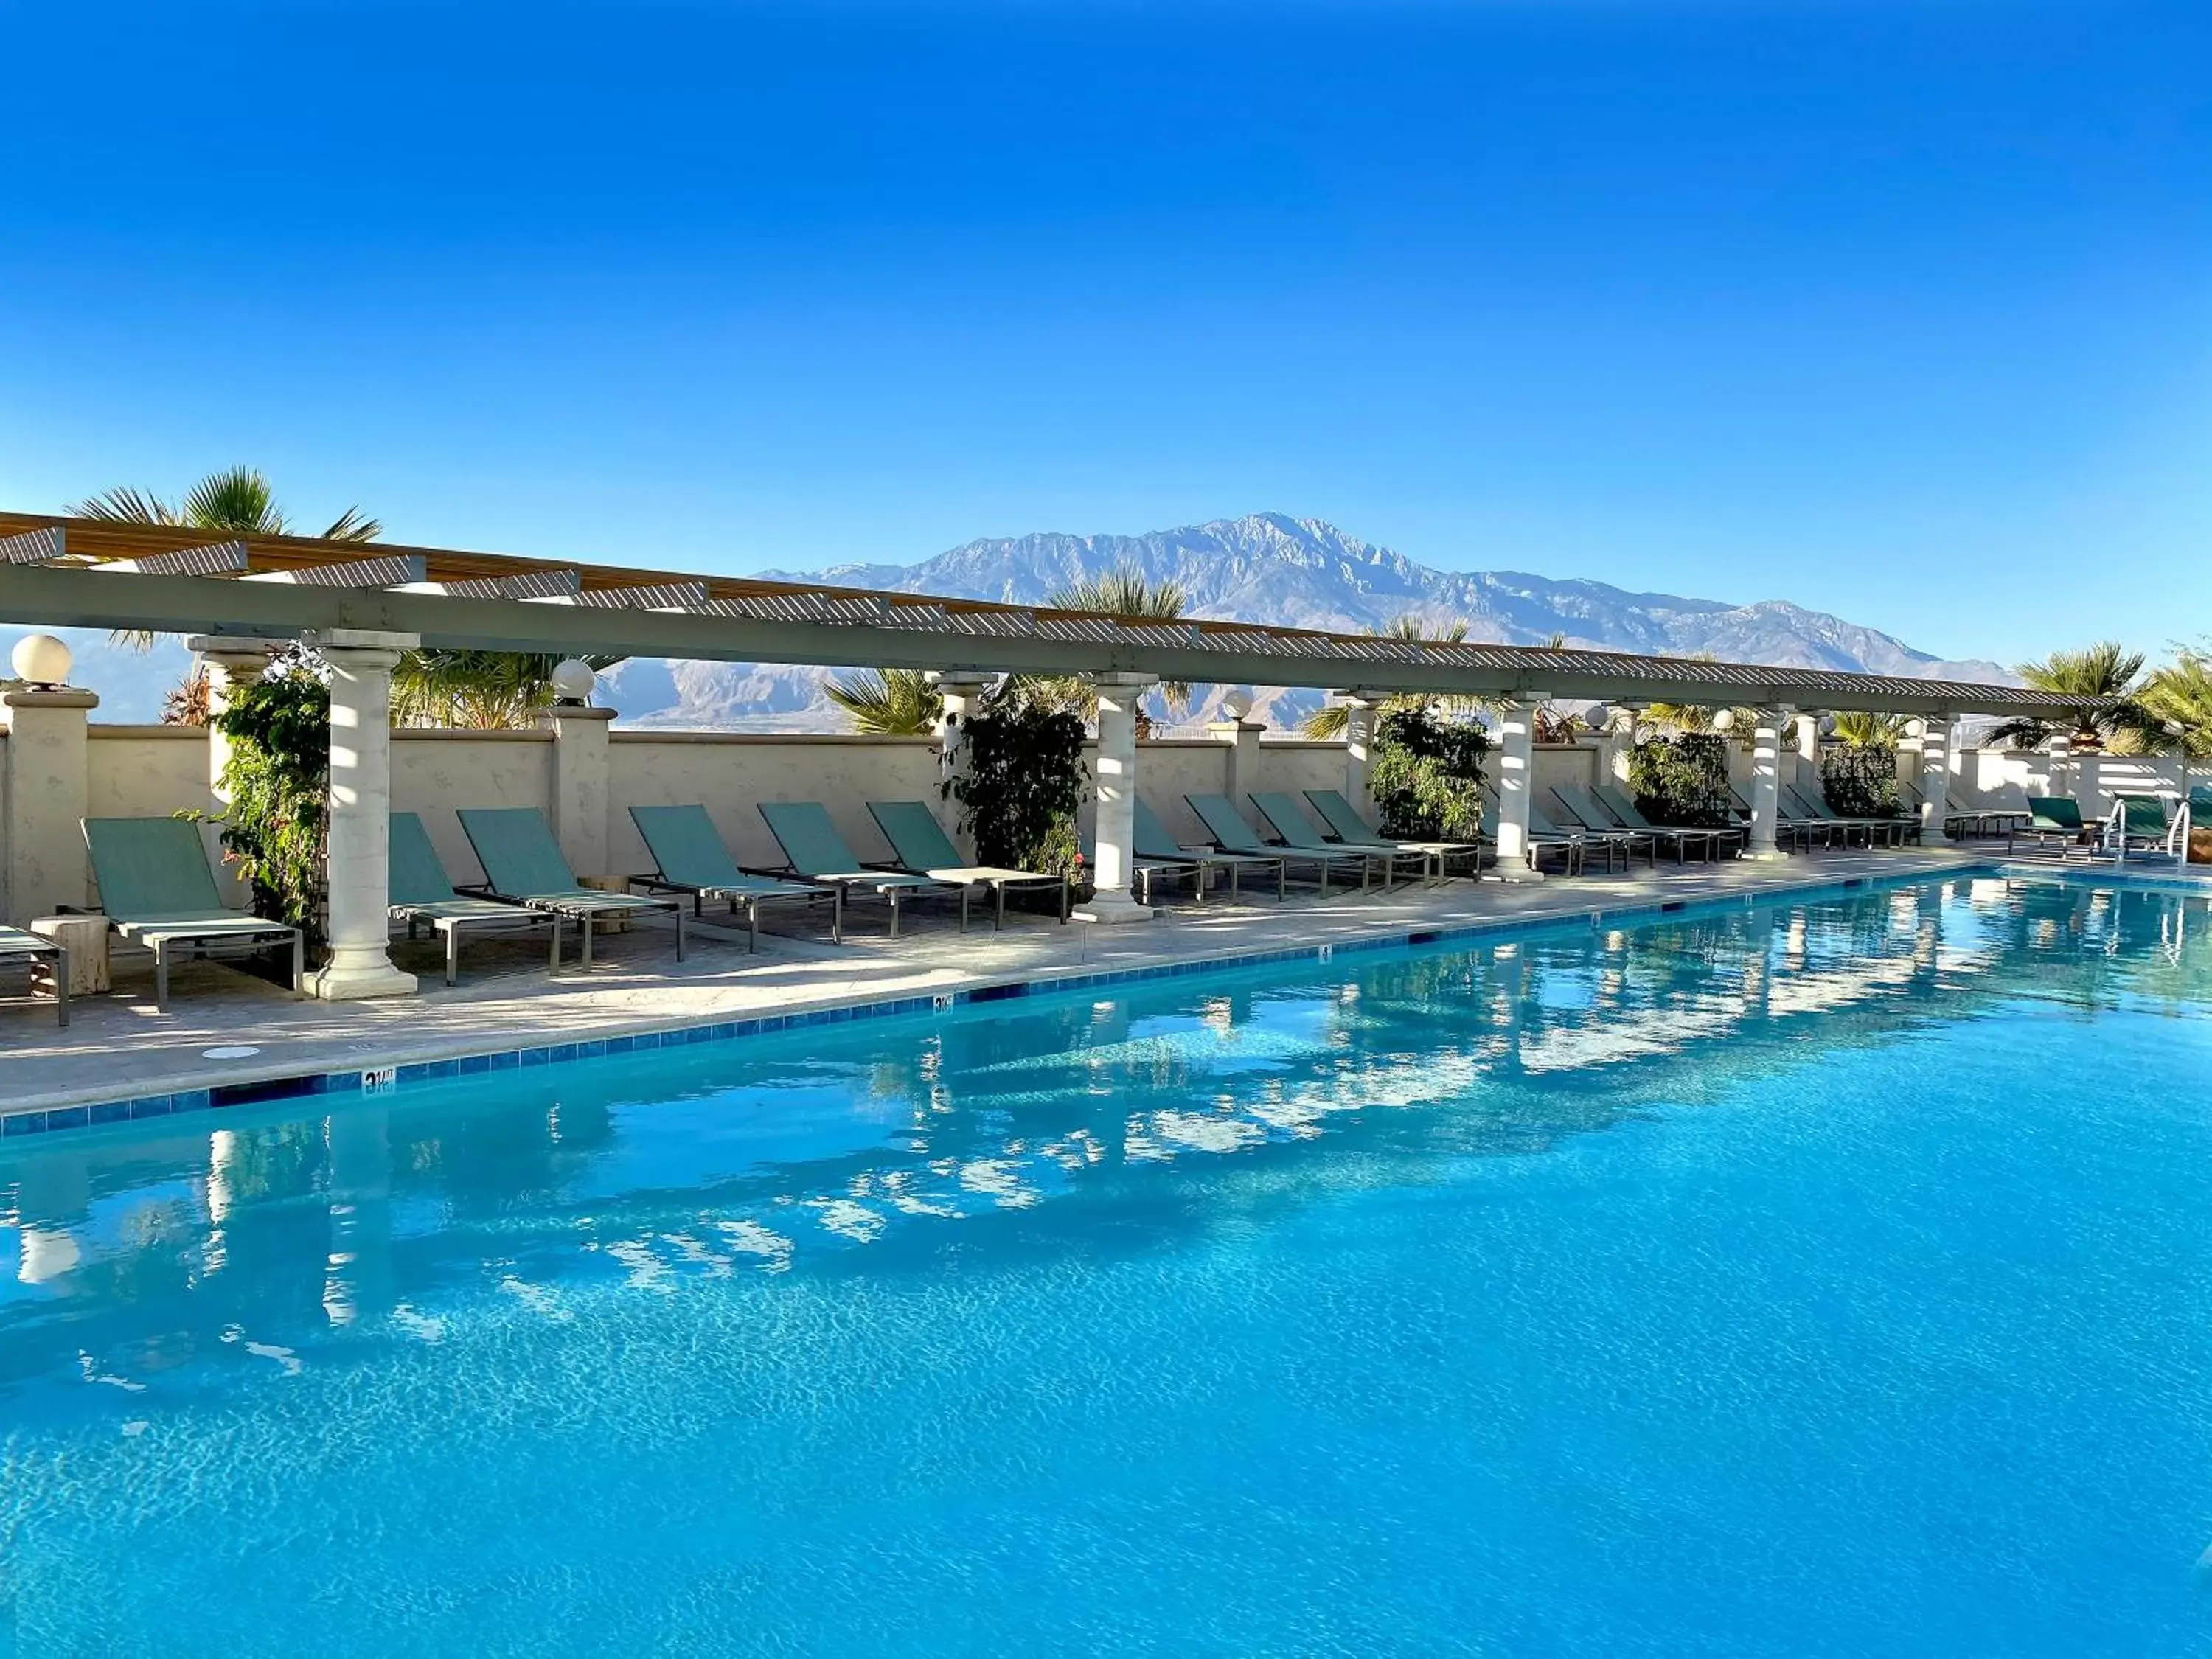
(120, 1049)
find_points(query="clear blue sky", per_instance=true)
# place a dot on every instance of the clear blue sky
(1901, 311)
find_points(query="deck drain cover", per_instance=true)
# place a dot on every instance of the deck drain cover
(230, 1051)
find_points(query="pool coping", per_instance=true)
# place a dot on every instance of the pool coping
(284, 1084)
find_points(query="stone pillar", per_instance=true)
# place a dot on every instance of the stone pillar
(229, 663)
(1934, 778)
(1360, 752)
(45, 791)
(1809, 748)
(579, 785)
(359, 861)
(2061, 764)
(1114, 840)
(1765, 782)
(1239, 772)
(1516, 784)
(963, 696)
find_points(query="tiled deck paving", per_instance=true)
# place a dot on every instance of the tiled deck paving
(119, 1049)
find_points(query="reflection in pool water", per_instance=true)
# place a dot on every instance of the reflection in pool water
(1816, 1279)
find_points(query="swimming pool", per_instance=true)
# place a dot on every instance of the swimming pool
(1820, 1277)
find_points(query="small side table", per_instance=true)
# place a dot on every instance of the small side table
(85, 938)
(612, 922)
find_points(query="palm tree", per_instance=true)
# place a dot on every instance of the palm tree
(1856, 729)
(1329, 722)
(888, 702)
(237, 502)
(476, 690)
(1125, 592)
(2105, 670)
(2180, 694)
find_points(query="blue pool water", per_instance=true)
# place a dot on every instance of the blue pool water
(1825, 1279)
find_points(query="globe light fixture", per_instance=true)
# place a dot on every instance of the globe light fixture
(1916, 728)
(573, 681)
(41, 660)
(1236, 705)
(1724, 721)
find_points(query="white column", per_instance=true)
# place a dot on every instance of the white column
(1516, 784)
(1114, 840)
(360, 831)
(579, 785)
(1616, 741)
(963, 697)
(2061, 764)
(1360, 752)
(1240, 768)
(1765, 782)
(44, 789)
(1809, 748)
(1934, 778)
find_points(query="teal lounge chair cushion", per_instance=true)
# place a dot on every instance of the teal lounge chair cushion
(155, 870)
(810, 842)
(521, 861)
(2145, 816)
(2055, 815)
(688, 852)
(1281, 809)
(1226, 824)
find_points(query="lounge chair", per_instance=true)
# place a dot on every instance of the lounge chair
(1231, 834)
(1296, 832)
(1542, 824)
(522, 864)
(1719, 841)
(689, 858)
(2051, 817)
(814, 852)
(1158, 853)
(1814, 802)
(1569, 846)
(34, 951)
(2143, 823)
(1789, 825)
(156, 889)
(421, 891)
(1584, 811)
(1345, 824)
(924, 849)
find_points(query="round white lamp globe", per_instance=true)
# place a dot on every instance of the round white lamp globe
(1724, 720)
(42, 660)
(573, 681)
(1236, 705)
(1916, 728)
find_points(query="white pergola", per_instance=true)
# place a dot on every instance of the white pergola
(363, 605)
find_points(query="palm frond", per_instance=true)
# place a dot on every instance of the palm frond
(351, 526)
(888, 702)
(126, 504)
(239, 500)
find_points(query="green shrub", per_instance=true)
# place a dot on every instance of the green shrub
(1020, 785)
(1425, 774)
(1682, 780)
(1861, 783)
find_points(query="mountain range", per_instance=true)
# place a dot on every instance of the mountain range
(1263, 568)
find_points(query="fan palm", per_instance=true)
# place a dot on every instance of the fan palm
(888, 702)
(1124, 592)
(476, 690)
(2180, 694)
(1329, 722)
(237, 502)
(2105, 671)
(1857, 729)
